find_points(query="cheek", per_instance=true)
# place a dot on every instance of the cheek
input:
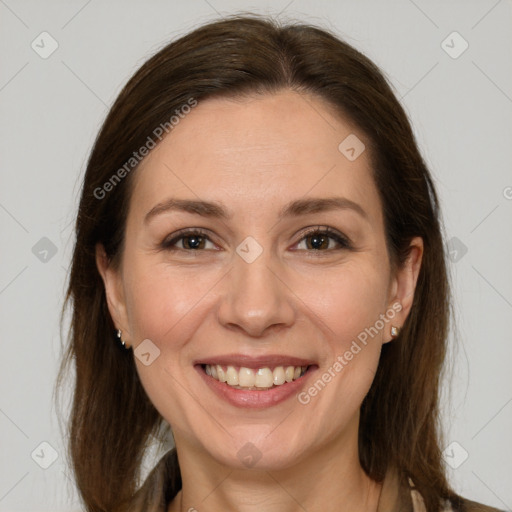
(348, 300)
(349, 303)
(165, 303)
(168, 306)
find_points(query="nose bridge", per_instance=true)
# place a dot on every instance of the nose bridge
(255, 298)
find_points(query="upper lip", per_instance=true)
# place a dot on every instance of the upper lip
(255, 362)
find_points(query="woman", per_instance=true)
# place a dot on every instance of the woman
(259, 232)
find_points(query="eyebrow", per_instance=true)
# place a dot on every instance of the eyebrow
(293, 209)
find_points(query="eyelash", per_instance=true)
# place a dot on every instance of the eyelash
(343, 242)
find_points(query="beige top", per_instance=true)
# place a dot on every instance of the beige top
(157, 492)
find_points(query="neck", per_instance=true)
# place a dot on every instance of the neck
(319, 481)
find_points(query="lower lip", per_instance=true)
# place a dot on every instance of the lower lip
(255, 399)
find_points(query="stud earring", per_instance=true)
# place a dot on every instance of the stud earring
(123, 343)
(395, 331)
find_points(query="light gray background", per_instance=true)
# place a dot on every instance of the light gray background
(51, 109)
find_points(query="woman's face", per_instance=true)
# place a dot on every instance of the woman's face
(262, 286)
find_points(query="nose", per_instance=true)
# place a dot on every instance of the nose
(256, 298)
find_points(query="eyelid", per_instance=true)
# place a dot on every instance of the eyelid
(342, 240)
(169, 241)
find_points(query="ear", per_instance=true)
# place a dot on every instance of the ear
(114, 292)
(403, 285)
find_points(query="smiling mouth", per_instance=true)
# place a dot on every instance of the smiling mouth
(260, 379)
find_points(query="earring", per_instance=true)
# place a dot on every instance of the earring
(395, 331)
(123, 343)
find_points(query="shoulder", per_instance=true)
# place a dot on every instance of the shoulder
(457, 504)
(160, 486)
(473, 506)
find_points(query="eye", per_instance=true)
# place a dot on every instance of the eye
(188, 240)
(323, 239)
(317, 239)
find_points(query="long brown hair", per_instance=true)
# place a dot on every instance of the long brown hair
(112, 417)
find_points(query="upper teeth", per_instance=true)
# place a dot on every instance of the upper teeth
(261, 378)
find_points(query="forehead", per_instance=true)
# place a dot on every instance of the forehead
(257, 153)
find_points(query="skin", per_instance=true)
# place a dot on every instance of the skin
(255, 155)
